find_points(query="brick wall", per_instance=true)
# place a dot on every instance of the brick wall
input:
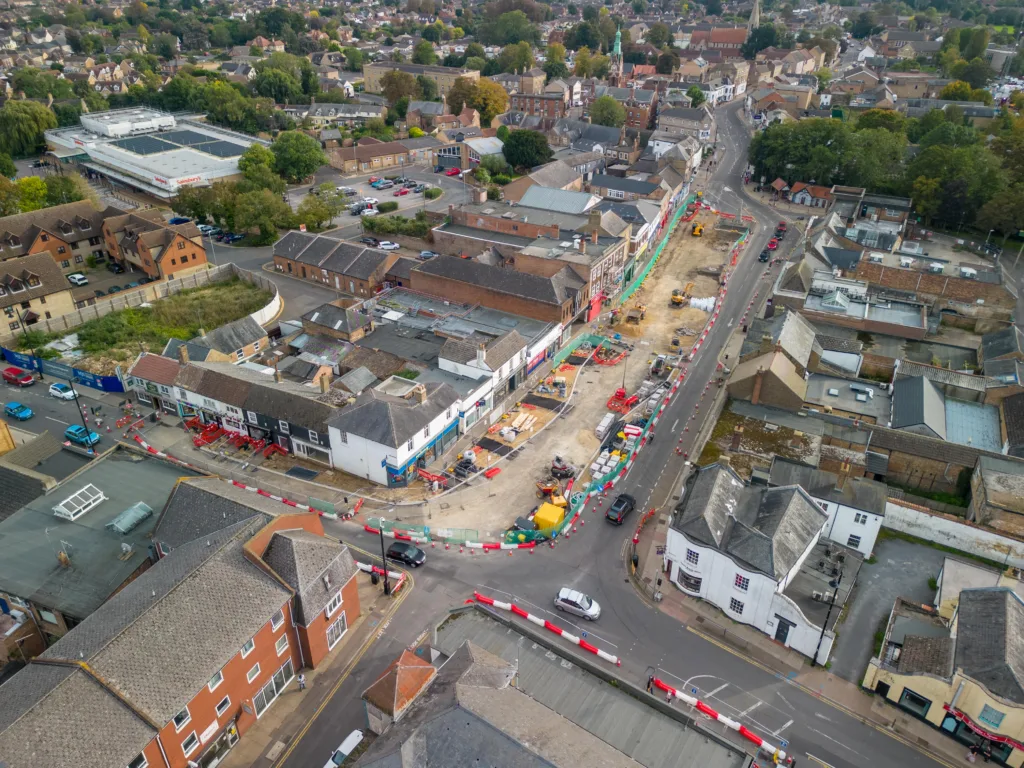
(877, 365)
(504, 226)
(314, 637)
(920, 472)
(478, 294)
(939, 286)
(456, 245)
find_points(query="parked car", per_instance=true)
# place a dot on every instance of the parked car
(346, 191)
(410, 183)
(622, 506)
(420, 188)
(113, 289)
(374, 179)
(453, 172)
(146, 280)
(578, 604)
(204, 228)
(370, 241)
(773, 244)
(62, 391)
(346, 748)
(77, 278)
(765, 255)
(100, 294)
(131, 285)
(179, 220)
(387, 245)
(18, 377)
(407, 553)
(214, 231)
(79, 435)
(232, 239)
(781, 225)
(370, 212)
(18, 411)
(439, 169)
(401, 191)
(223, 237)
(113, 266)
(426, 255)
(370, 200)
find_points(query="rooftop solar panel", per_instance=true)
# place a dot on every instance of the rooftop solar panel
(186, 138)
(145, 145)
(222, 149)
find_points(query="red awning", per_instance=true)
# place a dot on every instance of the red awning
(981, 731)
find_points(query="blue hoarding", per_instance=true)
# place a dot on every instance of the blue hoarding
(62, 371)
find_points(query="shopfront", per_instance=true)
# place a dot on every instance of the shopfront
(967, 732)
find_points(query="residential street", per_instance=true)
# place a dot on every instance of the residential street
(594, 561)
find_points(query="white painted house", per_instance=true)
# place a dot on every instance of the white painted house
(390, 428)
(855, 506)
(497, 362)
(754, 552)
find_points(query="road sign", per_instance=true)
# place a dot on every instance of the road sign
(783, 743)
(583, 634)
(693, 691)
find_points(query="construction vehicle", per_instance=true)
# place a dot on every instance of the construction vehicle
(698, 229)
(659, 367)
(677, 298)
(562, 469)
(637, 313)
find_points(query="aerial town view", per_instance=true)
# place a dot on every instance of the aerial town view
(507, 383)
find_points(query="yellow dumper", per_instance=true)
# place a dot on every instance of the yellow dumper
(698, 229)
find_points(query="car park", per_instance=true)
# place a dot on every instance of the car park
(179, 220)
(18, 377)
(410, 183)
(18, 411)
(62, 391)
(578, 604)
(370, 212)
(114, 267)
(453, 172)
(79, 435)
(346, 748)
(387, 245)
(401, 191)
(427, 255)
(78, 279)
(370, 241)
(370, 200)
(406, 553)
(622, 506)
(346, 191)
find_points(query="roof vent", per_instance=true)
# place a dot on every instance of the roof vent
(77, 504)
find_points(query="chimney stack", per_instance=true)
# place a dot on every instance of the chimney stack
(325, 382)
(420, 393)
(481, 354)
(183, 354)
(277, 375)
(758, 381)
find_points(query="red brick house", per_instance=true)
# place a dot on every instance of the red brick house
(143, 242)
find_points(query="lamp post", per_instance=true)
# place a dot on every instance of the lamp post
(33, 350)
(835, 585)
(383, 557)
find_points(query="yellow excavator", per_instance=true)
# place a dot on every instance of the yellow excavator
(680, 298)
(698, 229)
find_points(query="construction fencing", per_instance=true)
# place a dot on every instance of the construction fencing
(630, 289)
(422, 533)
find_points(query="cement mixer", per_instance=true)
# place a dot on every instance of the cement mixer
(705, 305)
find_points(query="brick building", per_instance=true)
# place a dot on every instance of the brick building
(343, 266)
(640, 105)
(369, 154)
(69, 233)
(549, 106)
(33, 288)
(258, 592)
(143, 242)
(443, 77)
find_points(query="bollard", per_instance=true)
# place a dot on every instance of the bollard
(433, 545)
(686, 455)
(447, 545)
(510, 553)
(460, 549)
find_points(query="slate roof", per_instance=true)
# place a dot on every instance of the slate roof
(345, 258)
(83, 218)
(233, 336)
(400, 683)
(201, 507)
(990, 640)
(790, 330)
(927, 655)
(558, 200)
(559, 288)
(909, 369)
(155, 368)
(766, 529)
(389, 420)
(857, 492)
(24, 268)
(316, 567)
(691, 114)
(337, 318)
(1013, 418)
(844, 258)
(556, 175)
(635, 186)
(1009, 341)
(17, 489)
(917, 402)
(426, 107)
(197, 353)
(497, 350)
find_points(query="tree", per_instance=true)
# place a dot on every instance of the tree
(666, 63)
(824, 76)
(10, 198)
(503, 133)
(21, 127)
(516, 58)
(696, 96)
(313, 212)
(763, 37)
(927, 194)
(353, 59)
(261, 210)
(38, 85)
(428, 88)
(1004, 212)
(889, 119)
(31, 194)
(64, 189)
(416, 133)
(958, 90)
(584, 63)
(433, 32)
(7, 168)
(512, 27)
(607, 111)
(165, 46)
(586, 34)
(978, 44)
(256, 155)
(949, 135)
(526, 149)
(278, 85)
(423, 53)
(658, 35)
(865, 25)
(394, 85)
(976, 72)
(296, 155)
(462, 92)
(196, 203)
(490, 100)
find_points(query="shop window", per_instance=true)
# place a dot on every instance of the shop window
(914, 703)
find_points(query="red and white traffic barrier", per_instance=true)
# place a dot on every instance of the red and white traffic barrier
(548, 626)
(703, 708)
(484, 545)
(400, 577)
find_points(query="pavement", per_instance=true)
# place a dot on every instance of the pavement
(833, 724)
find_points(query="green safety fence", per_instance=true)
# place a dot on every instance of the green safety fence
(630, 289)
(456, 535)
(451, 535)
(320, 505)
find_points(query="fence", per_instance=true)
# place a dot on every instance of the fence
(423, 532)
(147, 293)
(630, 289)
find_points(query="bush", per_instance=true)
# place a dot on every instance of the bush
(432, 194)
(398, 225)
(494, 192)
(90, 262)
(502, 179)
(387, 207)
(408, 373)
(482, 175)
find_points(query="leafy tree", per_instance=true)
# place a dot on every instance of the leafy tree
(38, 85)
(889, 119)
(423, 53)
(353, 59)
(586, 34)
(666, 63)
(196, 203)
(865, 25)
(296, 155)
(977, 44)
(824, 76)
(432, 32)
(313, 212)
(64, 189)
(958, 90)
(10, 198)
(516, 58)
(278, 85)
(255, 50)
(658, 35)
(607, 111)
(490, 100)
(21, 127)
(981, 95)
(462, 92)
(526, 149)
(261, 210)
(7, 168)
(256, 155)
(496, 165)
(976, 72)
(508, 28)
(1004, 212)
(763, 37)
(31, 194)
(949, 135)
(696, 96)
(415, 133)
(584, 63)
(428, 88)
(165, 46)
(927, 194)
(503, 133)
(394, 85)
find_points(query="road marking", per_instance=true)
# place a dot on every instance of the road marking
(821, 733)
(818, 760)
(784, 727)
(674, 425)
(750, 709)
(818, 714)
(719, 689)
(65, 423)
(784, 699)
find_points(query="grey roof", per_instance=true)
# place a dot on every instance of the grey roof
(917, 402)
(767, 529)
(693, 114)
(196, 352)
(990, 640)
(200, 507)
(316, 567)
(557, 289)
(427, 107)
(635, 186)
(351, 259)
(1013, 418)
(909, 369)
(844, 258)
(497, 350)
(927, 655)
(558, 200)
(358, 379)
(789, 329)
(1009, 341)
(17, 488)
(390, 420)
(337, 318)
(233, 336)
(556, 174)
(856, 492)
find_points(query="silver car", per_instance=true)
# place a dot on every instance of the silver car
(577, 603)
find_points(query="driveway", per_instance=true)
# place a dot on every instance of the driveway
(903, 570)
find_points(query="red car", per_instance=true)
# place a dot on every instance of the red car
(401, 191)
(773, 244)
(782, 226)
(373, 179)
(18, 377)
(452, 172)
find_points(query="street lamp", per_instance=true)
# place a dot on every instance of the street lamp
(834, 583)
(383, 557)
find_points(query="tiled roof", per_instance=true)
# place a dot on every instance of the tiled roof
(401, 682)
(155, 368)
(24, 268)
(389, 420)
(232, 336)
(557, 289)
(990, 641)
(316, 567)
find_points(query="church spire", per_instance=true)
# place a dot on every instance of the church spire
(617, 50)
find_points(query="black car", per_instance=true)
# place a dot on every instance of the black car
(419, 188)
(765, 255)
(406, 553)
(780, 234)
(114, 267)
(622, 506)
(370, 241)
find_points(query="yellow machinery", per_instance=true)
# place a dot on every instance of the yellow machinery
(677, 297)
(698, 229)
(548, 516)
(680, 298)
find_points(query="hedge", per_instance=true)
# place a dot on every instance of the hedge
(398, 225)
(433, 193)
(387, 207)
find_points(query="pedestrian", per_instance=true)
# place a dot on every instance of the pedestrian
(302, 682)
(986, 751)
(972, 753)
(650, 683)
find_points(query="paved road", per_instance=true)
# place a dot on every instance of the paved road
(55, 415)
(593, 561)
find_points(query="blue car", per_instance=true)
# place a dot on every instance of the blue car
(18, 411)
(81, 436)
(179, 220)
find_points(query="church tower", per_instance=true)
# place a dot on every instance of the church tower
(755, 17)
(615, 72)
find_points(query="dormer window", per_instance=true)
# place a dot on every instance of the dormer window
(33, 282)
(84, 225)
(15, 285)
(66, 228)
